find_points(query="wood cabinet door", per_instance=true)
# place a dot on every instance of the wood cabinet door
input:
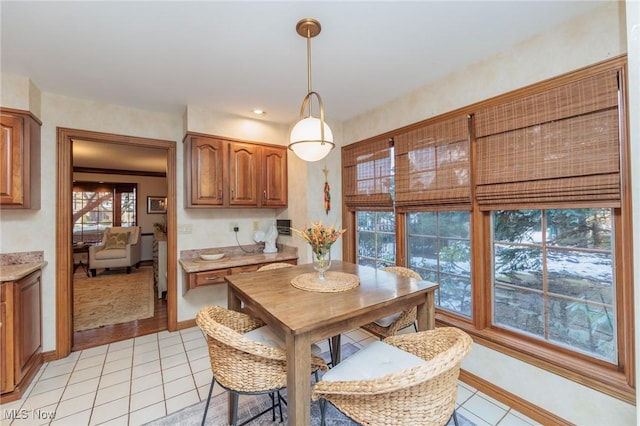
(207, 171)
(27, 322)
(7, 382)
(244, 174)
(11, 160)
(274, 177)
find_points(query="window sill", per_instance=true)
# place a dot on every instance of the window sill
(597, 375)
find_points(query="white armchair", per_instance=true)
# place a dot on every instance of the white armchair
(120, 248)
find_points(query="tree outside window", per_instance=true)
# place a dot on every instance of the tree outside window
(438, 248)
(553, 277)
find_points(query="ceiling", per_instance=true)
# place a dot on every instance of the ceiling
(235, 56)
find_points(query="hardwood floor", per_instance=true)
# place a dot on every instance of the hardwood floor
(114, 333)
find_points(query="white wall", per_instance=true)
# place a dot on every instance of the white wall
(633, 49)
(585, 41)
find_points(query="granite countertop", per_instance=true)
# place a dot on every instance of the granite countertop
(234, 257)
(14, 266)
(16, 272)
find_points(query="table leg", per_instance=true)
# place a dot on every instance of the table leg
(426, 315)
(335, 350)
(298, 379)
(234, 304)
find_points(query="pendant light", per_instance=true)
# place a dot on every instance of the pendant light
(311, 138)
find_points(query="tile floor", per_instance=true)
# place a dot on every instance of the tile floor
(141, 379)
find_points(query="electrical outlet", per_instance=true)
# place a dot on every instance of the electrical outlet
(185, 228)
(233, 227)
(236, 229)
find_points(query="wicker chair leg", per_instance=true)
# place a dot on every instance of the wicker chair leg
(234, 420)
(273, 407)
(280, 401)
(323, 411)
(455, 417)
(206, 405)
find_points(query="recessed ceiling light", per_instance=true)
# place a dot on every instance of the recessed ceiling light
(258, 111)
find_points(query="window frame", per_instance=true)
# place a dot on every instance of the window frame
(615, 380)
(116, 190)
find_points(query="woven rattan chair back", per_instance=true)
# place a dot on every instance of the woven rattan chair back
(424, 395)
(275, 265)
(405, 319)
(239, 364)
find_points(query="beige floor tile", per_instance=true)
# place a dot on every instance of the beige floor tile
(75, 405)
(146, 398)
(176, 387)
(111, 379)
(145, 382)
(85, 374)
(117, 365)
(145, 369)
(147, 414)
(111, 393)
(181, 401)
(109, 411)
(175, 373)
(81, 388)
(80, 418)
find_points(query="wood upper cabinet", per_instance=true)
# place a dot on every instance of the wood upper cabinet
(226, 173)
(274, 177)
(206, 171)
(19, 160)
(244, 174)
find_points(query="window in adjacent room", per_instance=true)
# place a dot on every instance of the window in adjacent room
(97, 206)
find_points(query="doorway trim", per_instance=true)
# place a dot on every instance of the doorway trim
(64, 227)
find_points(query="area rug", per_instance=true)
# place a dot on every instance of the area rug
(249, 405)
(112, 298)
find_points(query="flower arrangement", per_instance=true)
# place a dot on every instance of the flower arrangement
(319, 237)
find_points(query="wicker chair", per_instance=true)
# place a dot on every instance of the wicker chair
(423, 394)
(390, 325)
(242, 365)
(275, 265)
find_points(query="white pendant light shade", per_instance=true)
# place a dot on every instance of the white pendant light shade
(306, 141)
(311, 138)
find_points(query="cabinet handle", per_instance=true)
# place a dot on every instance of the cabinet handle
(264, 194)
(219, 194)
(211, 278)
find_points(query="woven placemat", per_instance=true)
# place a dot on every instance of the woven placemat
(333, 282)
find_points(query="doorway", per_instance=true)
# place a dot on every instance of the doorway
(64, 226)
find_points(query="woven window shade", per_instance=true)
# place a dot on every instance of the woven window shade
(367, 175)
(557, 146)
(433, 166)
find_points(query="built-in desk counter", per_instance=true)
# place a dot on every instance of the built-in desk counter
(235, 261)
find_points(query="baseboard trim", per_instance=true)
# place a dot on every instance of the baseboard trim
(519, 404)
(49, 356)
(186, 324)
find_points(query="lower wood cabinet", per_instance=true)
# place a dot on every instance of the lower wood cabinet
(20, 333)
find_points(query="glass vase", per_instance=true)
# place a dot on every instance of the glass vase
(321, 262)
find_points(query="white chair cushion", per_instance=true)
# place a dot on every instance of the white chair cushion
(388, 320)
(375, 360)
(268, 337)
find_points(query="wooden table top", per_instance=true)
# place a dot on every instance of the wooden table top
(270, 295)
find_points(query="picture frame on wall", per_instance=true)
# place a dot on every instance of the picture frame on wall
(156, 205)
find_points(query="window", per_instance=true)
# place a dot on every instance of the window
(100, 206)
(376, 239)
(519, 208)
(553, 277)
(438, 248)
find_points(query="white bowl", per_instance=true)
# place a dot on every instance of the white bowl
(215, 256)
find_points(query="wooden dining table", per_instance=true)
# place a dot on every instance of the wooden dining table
(304, 317)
